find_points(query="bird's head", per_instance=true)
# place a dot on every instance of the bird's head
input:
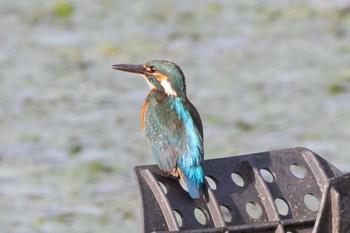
(162, 75)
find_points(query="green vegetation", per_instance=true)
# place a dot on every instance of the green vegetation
(63, 8)
(74, 150)
(334, 89)
(243, 125)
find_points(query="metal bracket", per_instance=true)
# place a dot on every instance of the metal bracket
(275, 191)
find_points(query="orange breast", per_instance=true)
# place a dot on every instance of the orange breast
(143, 110)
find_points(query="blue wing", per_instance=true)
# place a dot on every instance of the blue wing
(190, 162)
(164, 131)
(174, 131)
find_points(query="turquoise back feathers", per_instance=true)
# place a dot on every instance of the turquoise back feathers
(190, 161)
(171, 123)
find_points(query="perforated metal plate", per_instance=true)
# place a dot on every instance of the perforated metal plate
(276, 191)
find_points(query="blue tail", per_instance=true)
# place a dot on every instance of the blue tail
(194, 181)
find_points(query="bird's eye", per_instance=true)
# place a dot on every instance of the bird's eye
(152, 68)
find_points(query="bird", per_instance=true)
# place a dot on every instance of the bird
(171, 123)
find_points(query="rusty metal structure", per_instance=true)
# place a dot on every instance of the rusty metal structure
(284, 191)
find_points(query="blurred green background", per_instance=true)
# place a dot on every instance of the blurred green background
(263, 74)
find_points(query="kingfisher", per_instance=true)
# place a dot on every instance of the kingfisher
(171, 123)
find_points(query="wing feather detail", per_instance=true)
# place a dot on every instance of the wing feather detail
(174, 131)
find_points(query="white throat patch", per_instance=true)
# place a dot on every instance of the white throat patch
(150, 84)
(168, 88)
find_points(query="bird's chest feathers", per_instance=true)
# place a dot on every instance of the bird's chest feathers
(160, 106)
(164, 111)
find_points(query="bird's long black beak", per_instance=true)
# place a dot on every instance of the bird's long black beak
(139, 69)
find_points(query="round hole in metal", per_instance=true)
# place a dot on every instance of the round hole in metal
(201, 216)
(253, 209)
(183, 185)
(311, 202)
(178, 217)
(267, 175)
(226, 212)
(237, 179)
(212, 182)
(165, 190)
(282, 206)
(298, 171)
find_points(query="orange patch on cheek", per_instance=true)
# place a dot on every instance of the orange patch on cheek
(159, 76)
